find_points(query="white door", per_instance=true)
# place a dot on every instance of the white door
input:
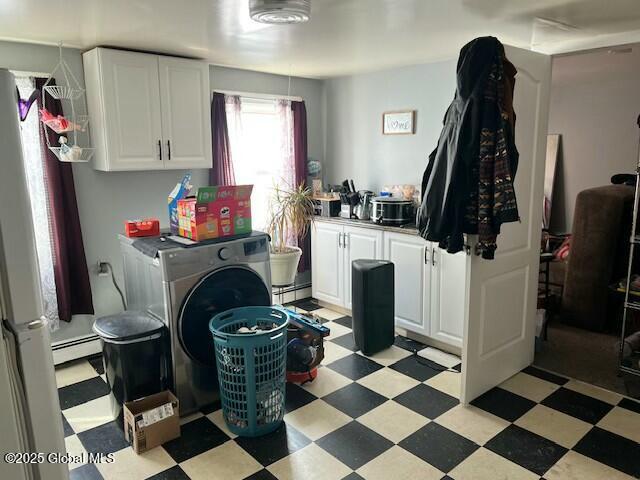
(448, 295)
(132, 109)
(359, 243)
(327, 260)
(186, 118)
(409, 254)
(500, 321)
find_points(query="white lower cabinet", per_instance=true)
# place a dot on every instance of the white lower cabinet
(429, 285)
(412, 280)
(334, 247)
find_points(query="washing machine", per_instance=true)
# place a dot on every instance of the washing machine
(198, 282)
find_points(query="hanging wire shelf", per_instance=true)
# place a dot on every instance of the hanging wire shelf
(71, 94)
(73, 154)
(64, 92)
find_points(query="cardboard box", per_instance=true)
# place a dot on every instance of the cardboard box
(151, 421)
(215, 212)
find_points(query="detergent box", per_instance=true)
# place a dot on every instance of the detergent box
(180, 191)
(215, 212)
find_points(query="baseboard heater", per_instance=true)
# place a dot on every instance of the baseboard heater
(76, 348)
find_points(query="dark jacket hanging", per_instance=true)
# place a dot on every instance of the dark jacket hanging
(468, 183)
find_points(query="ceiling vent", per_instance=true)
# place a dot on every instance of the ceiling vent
(280, 12)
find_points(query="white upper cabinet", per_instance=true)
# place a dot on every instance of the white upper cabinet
(147, 112)
(186, 118)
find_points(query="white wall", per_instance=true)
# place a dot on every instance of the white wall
(106, 199)
(595, 100)
(355, 146)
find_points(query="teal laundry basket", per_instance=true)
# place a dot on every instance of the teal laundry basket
(251, 368)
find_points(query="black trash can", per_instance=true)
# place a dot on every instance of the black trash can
(135, 354)
(372, 297)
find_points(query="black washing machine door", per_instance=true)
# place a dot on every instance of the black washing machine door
(217, 292)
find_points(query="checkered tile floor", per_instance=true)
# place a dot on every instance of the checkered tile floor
(394, 415)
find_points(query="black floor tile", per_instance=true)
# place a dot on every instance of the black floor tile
(408, 344)
(417, 367)
(345, 321)
(296, 397)
(354, 366)
(630, 405)
(173, 473)
(611, 449)
(353, 476)
(82, 392)
(347, 341)
(427, 401)
(577, 405)
(85, 472)
(195, 437)
(457, 368)
(263, 474)
(308, 304)
(446, 477)
(531, 451)
(503, 404)
(212, 407)
(270, 448)
(97, 363)
(354, 444)
(107, 438)
(439, 446)
(66, 427)
(354, 400)
(549, 377)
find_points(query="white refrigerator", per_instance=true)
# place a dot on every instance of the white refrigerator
(30, 418)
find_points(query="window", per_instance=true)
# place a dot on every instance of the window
(34, 170)
(261, 138)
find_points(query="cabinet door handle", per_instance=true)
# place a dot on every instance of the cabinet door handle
(169, 149)
(426, 255)
(159, 149)
(433, 256)
(344, 240)
(340, 240)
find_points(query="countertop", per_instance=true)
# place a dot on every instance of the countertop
(409, 229)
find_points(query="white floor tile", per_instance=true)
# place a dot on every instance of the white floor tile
(88, 415)
(530, 387)
(388, 382)
(328, 314)
(74, 448)
(226, 462)
(326, 382)
(218, 420)
(388, 356)
(447, 382)
(486, 465)
(128, 464)
(623, 422)
(473, 423)
(558, 427)
(309, 463)
(316, 419)
(74, 372)
(574, 466)
(398, 464)
(593, 391)
(393, 421)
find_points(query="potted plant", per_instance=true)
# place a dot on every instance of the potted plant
(292, 212)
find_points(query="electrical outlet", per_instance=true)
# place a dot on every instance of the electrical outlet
(103, 268)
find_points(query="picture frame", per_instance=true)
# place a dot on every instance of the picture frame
(399, 122)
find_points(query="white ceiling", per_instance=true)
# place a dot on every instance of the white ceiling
(343, 36)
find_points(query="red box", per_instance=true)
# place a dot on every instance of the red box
(215, 212)
(149, 227)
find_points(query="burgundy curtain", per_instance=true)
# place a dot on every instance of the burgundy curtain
(69, 262)
(222, 171)
(300, 154)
